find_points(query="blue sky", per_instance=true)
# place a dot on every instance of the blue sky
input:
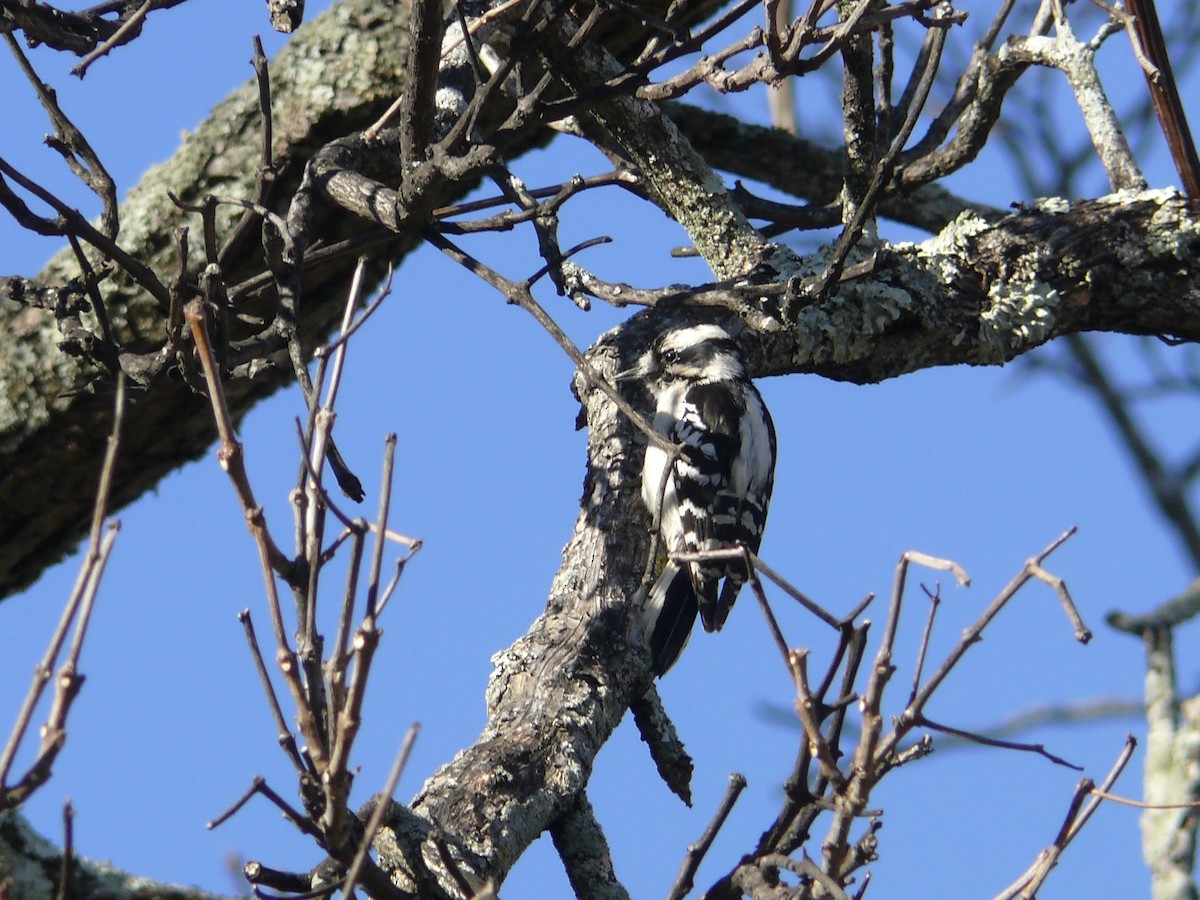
(982, 466)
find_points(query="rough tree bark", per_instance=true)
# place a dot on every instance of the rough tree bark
(983, 291)
(340, 73)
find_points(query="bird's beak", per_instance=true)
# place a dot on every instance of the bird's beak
(639, 371)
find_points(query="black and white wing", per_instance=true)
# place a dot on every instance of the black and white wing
(715, 497)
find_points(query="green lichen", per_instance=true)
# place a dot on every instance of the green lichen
(1124, 198)
(1052, 206)
(945, 251)
(1020, 316)
(955, 239)
(1173, 232)
(843, 328)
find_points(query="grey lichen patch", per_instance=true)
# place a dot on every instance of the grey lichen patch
(1052, 206)
(314, 82)
(948, 253)
(719, 230)
(1019, 313)
(1020, 316)
(882, 304)
(957, 237)
(843, 329)
(23, 856)
(1173, 232)
(1124, 198)
(316, 71)
(25, 368)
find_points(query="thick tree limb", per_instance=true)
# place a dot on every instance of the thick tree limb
(1178, 610)
(978, 293)
(77, 32)
(983, 294)
(803, 169)
(30, 868)
(337, 76)
(584, 850)
(51, 428)
(557, 694)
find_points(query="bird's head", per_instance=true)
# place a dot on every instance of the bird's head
(692, 352)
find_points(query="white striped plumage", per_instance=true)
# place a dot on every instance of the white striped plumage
(716, 494)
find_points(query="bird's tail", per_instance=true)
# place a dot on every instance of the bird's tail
(714, 614)
(668, 616)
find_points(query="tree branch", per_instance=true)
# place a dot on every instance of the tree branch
(1172, 773)
(30, 868)
(49, 421)
(581, 844)
(983, 294)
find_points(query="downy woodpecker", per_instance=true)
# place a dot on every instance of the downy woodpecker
(716, 493)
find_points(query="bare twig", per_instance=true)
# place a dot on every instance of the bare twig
(1028, 885)
(383, 292)
(230, 455)
(128, 29)
(68, 852)
(71, 221)
(781, 643)
(381, 805)
(271, 557)
(259, 786)
(520, 295)
(389, 459)
(74, 31)
(366, 640)
(77, 611)
(808, 710)
(975, 738)
(1083, 634)
(286, 739)
(401, 562)
(696, 852)
(71, 144)
(757, 564)
(935, 598)
(417, 104)
(972, 634)
(265, 182)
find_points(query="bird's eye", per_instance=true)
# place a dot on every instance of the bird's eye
(670, 355)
